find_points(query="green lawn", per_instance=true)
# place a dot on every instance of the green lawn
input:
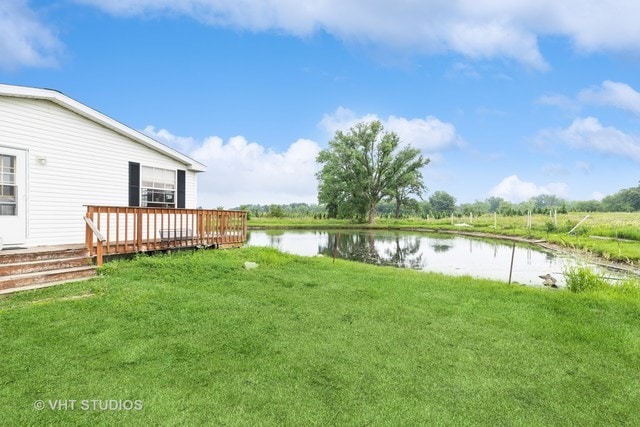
(197, 339)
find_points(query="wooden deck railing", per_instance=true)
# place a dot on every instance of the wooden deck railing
(129, 229)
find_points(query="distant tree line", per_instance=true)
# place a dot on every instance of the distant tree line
(441, 204)
(626, 200)
(291, 210)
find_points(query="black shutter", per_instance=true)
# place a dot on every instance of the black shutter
(182, 193)
(134, 184)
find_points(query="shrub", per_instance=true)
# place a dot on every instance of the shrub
(275, 211)
(629, 286)
(550, 226)
(583, 279)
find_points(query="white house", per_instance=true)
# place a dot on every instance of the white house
(58, 155)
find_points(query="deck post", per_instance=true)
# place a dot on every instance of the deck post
(88, 239)
(244, 224)
(223, 224)
(201, 235)
(138, 213)
(91, 226)
(99, 253)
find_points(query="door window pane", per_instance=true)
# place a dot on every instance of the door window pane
(8, 188)
(7, 163)
(7, 193)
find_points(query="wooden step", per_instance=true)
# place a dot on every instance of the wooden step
(40, 254)
(18, 281)
(42, 265)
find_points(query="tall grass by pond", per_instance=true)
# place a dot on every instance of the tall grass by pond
(197, 339)
(580, 278)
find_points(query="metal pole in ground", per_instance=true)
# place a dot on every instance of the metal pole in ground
(513, 252)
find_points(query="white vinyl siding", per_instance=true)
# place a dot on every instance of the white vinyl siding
(73, 162)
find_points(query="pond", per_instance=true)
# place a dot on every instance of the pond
(441, 253)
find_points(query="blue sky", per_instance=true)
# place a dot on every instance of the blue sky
(507, 98)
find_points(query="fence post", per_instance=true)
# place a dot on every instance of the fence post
(513, 253)
(244, 227)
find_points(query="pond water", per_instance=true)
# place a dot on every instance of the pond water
(442, 253)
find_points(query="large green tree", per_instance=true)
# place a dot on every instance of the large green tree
(626, 200)
(362, 166)
(442, 202)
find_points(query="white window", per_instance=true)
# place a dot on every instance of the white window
(8, 187)
(158, 188)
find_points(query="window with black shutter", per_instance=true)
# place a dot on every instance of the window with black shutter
(182, 185)
(134, 184)
(156, 187)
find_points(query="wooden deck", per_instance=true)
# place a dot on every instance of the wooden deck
(115, 230)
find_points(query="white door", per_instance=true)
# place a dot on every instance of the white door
(13, 200)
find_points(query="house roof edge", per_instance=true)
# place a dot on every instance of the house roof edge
(77, 107)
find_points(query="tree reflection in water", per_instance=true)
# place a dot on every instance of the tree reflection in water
(440, 248)
(374, 248)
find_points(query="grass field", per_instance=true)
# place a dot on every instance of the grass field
(613, 236)
(196, 339)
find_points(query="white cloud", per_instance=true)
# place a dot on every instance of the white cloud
(589, 133)
(180, 143)
(495, 39)
(24, 40)
(243, 172)
(483, 29)
(429, 134)
(584, 167)
(343, 119)
(477, 29)
(515, 190)
(561, 101)
(555, 169)
(615, 94)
